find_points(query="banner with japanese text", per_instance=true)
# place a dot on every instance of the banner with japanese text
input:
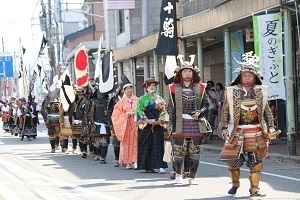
(237, 50)
(167, 39)
(268, 46)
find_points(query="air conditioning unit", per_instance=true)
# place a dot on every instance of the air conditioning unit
(85, 8)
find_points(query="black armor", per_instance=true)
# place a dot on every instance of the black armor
(99, 131)
(50, 113)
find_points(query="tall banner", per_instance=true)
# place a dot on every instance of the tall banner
(81, 66)
(167, 39)
(106, 78)
(66, 93)
(39, 68)
(268, 46)
(55, 83)
(167, 43)
(170, 68)
(23, 84)
(98, 59)
(237, 50)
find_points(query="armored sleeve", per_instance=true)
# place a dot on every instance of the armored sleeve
(71, 111)
(61, 114)
(225, 111)
(171, 111)
(92, 111)
(204, 104)
(44, 110)
(268, 116)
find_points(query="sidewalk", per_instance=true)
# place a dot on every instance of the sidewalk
(277, 151)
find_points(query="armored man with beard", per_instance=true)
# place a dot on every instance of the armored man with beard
(247, 123)
(187, 106)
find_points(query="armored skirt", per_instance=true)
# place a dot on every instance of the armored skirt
(30, 128)
(151, 144)
(253, 140)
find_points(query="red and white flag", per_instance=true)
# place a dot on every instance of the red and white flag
(81, 66)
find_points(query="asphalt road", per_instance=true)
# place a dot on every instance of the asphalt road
(29, 171)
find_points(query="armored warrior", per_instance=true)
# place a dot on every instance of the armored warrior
(76, 115)
(26, 120)
(5, 109)
(34, 109)
(247, 123)
(187, 106)
(65, 127)
(99, 129)
(50, 113)
(12, 110)
(84, 139)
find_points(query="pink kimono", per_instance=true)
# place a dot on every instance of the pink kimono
(126, 129)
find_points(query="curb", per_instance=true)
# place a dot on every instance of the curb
(272, 156)
(284, 158)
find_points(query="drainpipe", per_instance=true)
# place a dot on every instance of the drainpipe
(200, 56)
(227, 57)
(289, 82)
(120, 71)
(156, 73)
(144, 17)
(183, 48)
(133, 77)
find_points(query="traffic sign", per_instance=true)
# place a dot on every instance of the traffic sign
(6, 65)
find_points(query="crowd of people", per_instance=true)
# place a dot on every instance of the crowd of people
(137, 125)
(20, 117)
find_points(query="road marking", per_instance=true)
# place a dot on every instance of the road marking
(10, 169)
(7, 193)
(270, 174)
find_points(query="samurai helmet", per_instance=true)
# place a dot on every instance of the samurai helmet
(249, 65)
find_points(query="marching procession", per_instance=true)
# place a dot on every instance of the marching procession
(143, 99)
(20, 117)
(137, 125)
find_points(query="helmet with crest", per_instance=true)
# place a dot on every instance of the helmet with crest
(187, 65)
(249, 65)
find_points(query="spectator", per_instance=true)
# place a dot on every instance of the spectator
(212, 111)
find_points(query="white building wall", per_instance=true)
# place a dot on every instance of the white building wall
(123, 38)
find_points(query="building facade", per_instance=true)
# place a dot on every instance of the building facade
(204, 29)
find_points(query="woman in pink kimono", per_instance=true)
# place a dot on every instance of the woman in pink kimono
(126, 128)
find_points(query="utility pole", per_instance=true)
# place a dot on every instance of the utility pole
(48, 29)
(58, 22)
(2, 44)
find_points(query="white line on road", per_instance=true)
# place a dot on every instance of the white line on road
(270, 174)
(14, 169)
(7, 193)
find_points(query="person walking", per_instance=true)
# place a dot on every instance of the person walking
(212, 111)
(50, 113)
(76, 114)
(125, 127)
(247, 123)
(220, 98)
(152, 118)
(115, 142)
(187, 105)
(99, 129)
